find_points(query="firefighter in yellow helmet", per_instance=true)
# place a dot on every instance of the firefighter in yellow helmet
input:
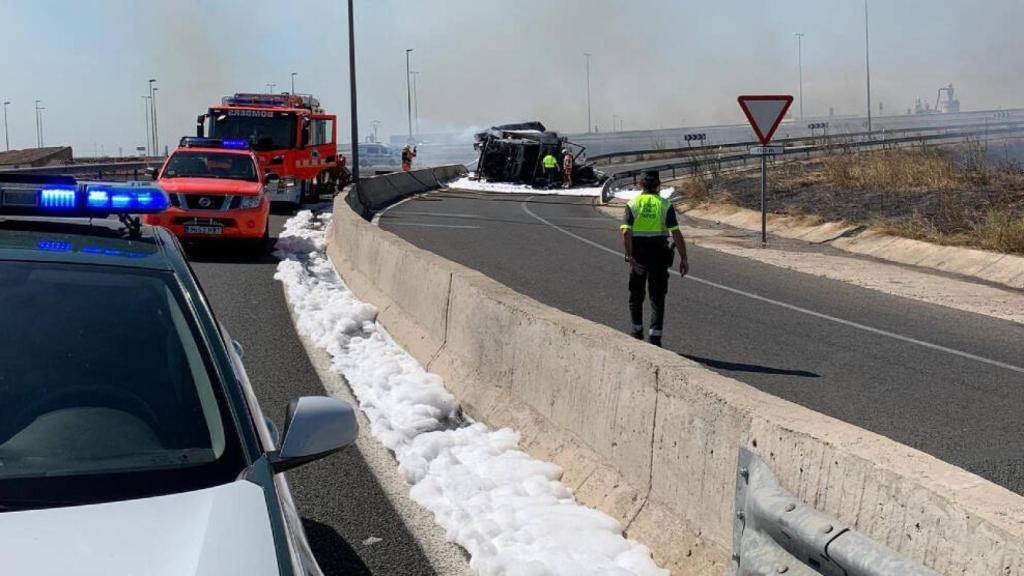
(408, 153)
(567, 164)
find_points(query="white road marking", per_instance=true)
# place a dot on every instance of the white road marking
(438, 214)
(793, 307)
(424, 225)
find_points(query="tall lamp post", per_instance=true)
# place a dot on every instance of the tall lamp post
(270, 88)
(7, 136)
(867, 61)
(800, 65)
(408, 90)
(39, 125)
(415, 103)
(589, 125)
(352, 86)
(149, 139)
(293, 82)
(156, 137)
(152, 117)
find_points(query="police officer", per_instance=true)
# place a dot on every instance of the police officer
(647, 224)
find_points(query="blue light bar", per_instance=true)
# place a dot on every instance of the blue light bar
(197, 142)
(125, 198)
(62, 196)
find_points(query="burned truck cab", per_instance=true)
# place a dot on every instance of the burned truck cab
(513, 153)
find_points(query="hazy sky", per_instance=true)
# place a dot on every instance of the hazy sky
(481, 62)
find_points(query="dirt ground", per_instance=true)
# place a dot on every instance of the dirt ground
(969, 194)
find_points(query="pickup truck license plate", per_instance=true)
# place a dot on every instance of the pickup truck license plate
(207, 230)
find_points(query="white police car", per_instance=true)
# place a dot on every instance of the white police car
(130, 439)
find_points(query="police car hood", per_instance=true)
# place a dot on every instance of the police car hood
(211, 186)
(221, 531)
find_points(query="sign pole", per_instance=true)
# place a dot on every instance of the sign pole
(764, 194)
(765, 113)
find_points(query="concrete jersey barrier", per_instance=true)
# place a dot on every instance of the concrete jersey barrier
(378, 192)
(652, 438)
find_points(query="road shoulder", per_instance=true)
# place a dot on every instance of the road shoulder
(445, 557)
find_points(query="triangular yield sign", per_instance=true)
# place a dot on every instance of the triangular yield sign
(765, 113)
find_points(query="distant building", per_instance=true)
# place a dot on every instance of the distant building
(34, 157)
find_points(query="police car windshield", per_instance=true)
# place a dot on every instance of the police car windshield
(106, 393)
(266, 130)
(211, 165)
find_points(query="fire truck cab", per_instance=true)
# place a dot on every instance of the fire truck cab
(291, 136)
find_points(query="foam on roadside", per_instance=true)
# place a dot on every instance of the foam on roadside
(507, 509)
(630, 193)
(468, 183)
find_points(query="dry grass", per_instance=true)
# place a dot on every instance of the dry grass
(895, 170)
(996, 230)
(696, 190)
(956, 195)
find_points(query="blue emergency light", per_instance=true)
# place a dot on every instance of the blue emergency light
(197, 142)
(32, 195)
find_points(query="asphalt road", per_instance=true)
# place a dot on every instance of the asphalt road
(341, 501)
(924, 375)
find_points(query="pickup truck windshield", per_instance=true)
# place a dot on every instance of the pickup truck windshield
(211, 165)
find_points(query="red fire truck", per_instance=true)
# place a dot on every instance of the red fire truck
(290, 134)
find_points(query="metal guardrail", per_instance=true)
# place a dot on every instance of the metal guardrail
(134, 170)
(872, 136)
(775, 533)
(742, 157)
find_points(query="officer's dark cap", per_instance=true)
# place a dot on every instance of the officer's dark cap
(651, 178)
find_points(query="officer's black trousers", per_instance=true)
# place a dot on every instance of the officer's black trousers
(653, 280)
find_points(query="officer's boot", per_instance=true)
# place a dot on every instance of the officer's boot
(637, 332)
(655, 337)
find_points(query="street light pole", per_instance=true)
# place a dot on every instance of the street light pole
(39, 127)
(293, 82)
(376, 124)
(352, 86)
(152, 119)
(589, 125)
(416, 102)
(867, 61)
(800, 64)
(156, 136)
(7, 135)
(149, 139)
(408, 90)
(270, 88)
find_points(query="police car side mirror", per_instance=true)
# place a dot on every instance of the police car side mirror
(314, 427)
(152, 173)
